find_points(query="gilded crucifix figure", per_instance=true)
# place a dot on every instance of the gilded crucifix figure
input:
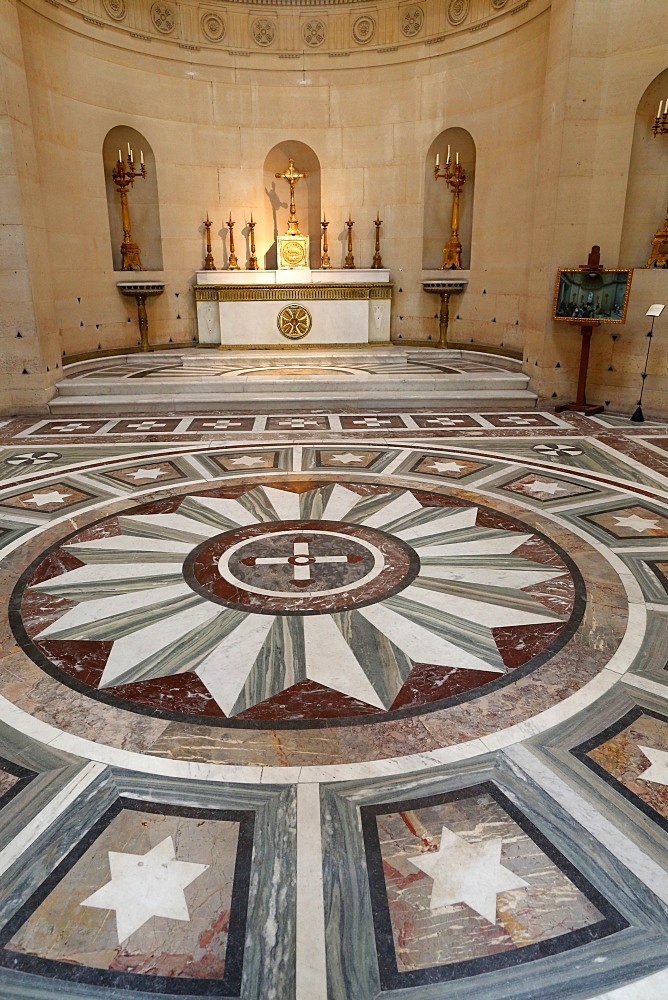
(291, 175)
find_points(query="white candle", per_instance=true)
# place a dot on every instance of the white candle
(120, 158)
(448, 154)
(131, 157)
(128, 149)
(456, 157)
(658, 114)
(437, 159)
(141, 157)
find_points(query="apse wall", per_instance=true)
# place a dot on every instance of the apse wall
(211, 120)
(550, 96)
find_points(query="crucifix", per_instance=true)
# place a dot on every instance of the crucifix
(291, 175)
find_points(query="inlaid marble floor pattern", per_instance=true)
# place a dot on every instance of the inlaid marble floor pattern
(334, 706)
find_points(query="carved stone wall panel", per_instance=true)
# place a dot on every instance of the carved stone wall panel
(458, 11)
(364, 29)
(287, 28)
(411, 20)
(263, 31)
(116, 9)
(314, 32)
(212, 26)
(163, 16)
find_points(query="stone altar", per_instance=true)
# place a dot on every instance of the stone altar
(299, 307)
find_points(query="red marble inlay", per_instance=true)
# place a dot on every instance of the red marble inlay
(427, 683)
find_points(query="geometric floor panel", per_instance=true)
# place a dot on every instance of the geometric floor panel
(333, 705)
(466, 884)
(156, 899)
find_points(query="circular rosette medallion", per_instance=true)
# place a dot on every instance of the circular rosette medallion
(294, 321)
(287, 604)
(307, 567)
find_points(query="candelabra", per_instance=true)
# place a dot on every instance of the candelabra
(660, 126)
(124, 177)
(208, 260)
(350, 260)
(325, 262)
(454, 176)
(377, 259)
(252, 260)
(232, 264)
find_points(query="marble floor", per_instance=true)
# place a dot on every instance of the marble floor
(334, 706)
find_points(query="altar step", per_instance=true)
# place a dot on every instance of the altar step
(214, 381)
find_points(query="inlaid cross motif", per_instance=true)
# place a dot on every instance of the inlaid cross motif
(301, 561)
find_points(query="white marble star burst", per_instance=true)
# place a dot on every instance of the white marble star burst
(144, 886)
(467, 873)
(131, 592)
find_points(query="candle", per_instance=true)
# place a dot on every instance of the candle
(324, 219)
(129, 149)
(120, 158)
(448, 154)
(658, 114)
(437, 160)
(131, 157)
(251, 221)
(141, 157)
(457, 157)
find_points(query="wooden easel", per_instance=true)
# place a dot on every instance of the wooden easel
(586, 329)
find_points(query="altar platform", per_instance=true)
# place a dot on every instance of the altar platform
(250, 381)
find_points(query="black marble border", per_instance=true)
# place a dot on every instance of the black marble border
(653, 565)
(37, 656)
(582, 750)
(392, 979)
(228, 986)
(24, 774)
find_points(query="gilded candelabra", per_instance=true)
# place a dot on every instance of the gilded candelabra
(377, 259)
(325, 262)
(660, 126)
(350, 260)
(208, 260)
(252, 260)
(232, 264)
(124, 177)
(454, 176)
(659, 254)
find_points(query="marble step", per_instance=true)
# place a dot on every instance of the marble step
(113, 404)
(238, 385)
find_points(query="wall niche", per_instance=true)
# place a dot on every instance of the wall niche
(143, 200)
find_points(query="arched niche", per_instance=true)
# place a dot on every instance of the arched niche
(142, 198)
(647, 188)
(438, 196)
(276, 203)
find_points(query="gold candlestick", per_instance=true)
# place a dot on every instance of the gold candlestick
(325, 262)
(124, 177)
(660, 126)
(350, 260)
(232, 264)
(454, 176)
(252, 261)
(377, 259)
(208, 260)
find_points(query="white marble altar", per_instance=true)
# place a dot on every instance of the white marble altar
(241, 308)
